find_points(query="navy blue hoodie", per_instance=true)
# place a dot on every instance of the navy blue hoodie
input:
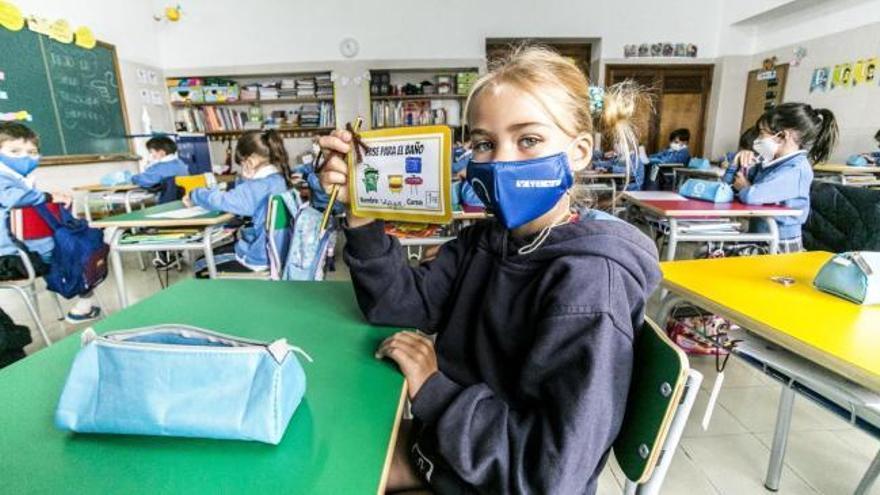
(535, 350)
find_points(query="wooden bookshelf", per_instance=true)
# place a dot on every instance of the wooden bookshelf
(251, 102)
(291, 132)
(389, 110)
(304, 108)
(421, 97)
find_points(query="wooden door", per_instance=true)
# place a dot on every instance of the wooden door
(578, 51)
(763, 93)
(680, 96)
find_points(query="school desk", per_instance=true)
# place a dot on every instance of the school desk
(816, 344)
(845, 174)
(683, 174)
(212, 232)
(339, 440)
(675, 212)
(602, 181)
(131, 194)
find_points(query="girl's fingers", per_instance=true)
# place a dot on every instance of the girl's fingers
(333, 143)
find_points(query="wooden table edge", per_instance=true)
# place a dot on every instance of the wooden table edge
(100, 188)
(164, 222)
(392, 441)
(788, 342)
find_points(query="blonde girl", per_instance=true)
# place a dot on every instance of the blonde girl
(524, 388)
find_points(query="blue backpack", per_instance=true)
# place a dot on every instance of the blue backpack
(79, 259)
(299, 251)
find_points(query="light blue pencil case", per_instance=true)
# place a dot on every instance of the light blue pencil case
(178, 380)
(707, 190)
(853, 276)
(699, 164)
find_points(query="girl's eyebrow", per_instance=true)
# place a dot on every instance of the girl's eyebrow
(514, 127)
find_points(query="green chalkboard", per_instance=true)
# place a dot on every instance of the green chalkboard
(73, 95)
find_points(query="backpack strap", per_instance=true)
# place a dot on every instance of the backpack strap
(46, 214)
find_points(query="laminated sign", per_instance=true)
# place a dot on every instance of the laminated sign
(404, 175)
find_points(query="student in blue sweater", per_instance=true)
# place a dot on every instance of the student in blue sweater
(677, 152)
(535, 312)
(264, 163)
(791, 137)
(164, 163)
(615, 164)
(744, 155)
(19, 156)
(873, 157)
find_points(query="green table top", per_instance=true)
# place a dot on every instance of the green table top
(337, 441)
(141, 218)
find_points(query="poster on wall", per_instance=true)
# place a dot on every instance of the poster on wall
(859, 72)
(842, 77)
(871, 70)
(819, 82)
(405, 175)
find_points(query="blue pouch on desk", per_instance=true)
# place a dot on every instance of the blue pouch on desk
(177, 380)
(699, 164)
(706, 190)
(857, 161)
(853, 276)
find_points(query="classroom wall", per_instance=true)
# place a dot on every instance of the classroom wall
(400, 29)
(857, 109)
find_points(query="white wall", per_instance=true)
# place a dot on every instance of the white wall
(266, 31)
(857, 109)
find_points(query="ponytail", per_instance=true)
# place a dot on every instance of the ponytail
(267, 144)
(815, 130)
(616, 124)
(826, 137)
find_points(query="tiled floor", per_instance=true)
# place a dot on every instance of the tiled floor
(825, 455)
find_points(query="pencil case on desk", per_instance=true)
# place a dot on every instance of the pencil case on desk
(853, 276)
(706, 190)
(177, 380)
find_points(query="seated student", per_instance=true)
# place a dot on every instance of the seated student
(164, 163)
(613, 163)
(19, 156)
(264, 163)
(744, 154)
(790, 137)
(468, 199)
(873, 157)
(677, 152)
(535, 311)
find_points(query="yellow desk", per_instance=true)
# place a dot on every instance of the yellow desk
(847, 175)
(822, 337)
(835, 334)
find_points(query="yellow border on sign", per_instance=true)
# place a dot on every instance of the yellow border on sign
(446, 170)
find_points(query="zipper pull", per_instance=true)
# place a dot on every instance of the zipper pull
(280, 348)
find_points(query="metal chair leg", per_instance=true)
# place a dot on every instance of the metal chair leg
(58, 306)
(870, 477)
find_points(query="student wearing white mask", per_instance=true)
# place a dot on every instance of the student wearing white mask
(791, 137)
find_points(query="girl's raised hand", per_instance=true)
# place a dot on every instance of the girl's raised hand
(334, 169)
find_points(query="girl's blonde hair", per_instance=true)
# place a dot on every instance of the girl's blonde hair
(554, 79)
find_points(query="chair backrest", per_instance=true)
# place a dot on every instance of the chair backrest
(190, 182)
(279, 232)
(842, 218)
(660, 371)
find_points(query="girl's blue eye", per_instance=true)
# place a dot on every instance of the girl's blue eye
(482, 147)
(529, 142)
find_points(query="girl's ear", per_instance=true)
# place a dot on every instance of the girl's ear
(581, 152)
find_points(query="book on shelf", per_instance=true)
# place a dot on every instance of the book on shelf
(215, 119)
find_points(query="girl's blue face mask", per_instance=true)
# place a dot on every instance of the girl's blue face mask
(518, 192)
(23, 165)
